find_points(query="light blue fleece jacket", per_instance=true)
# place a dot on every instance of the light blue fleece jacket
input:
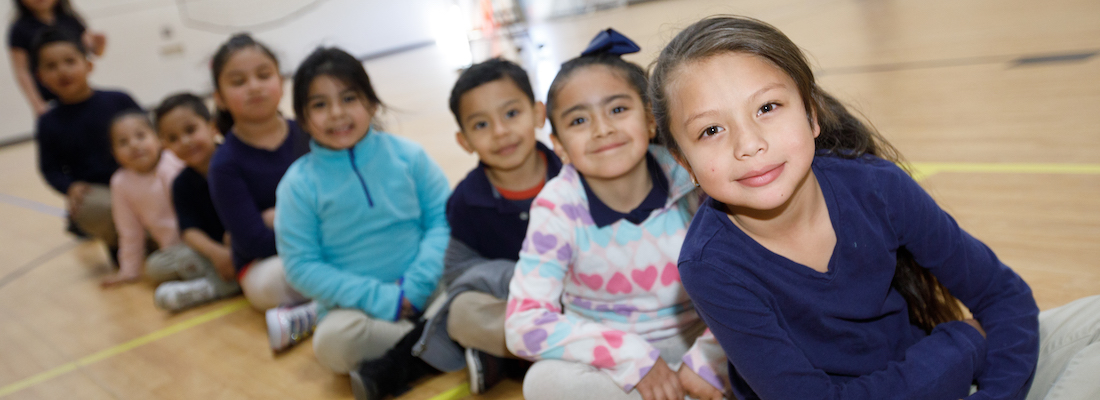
(364, 227)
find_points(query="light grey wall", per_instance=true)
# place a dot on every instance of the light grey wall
(144, 60)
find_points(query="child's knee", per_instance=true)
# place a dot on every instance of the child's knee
(334, 339)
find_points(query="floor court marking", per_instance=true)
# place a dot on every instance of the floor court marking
(455, 393)
(32, 205)
(42, 259)
(122, 348)
(923, 170)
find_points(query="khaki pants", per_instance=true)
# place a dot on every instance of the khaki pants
(264, 285)
(346, 337)
(94, 216)
(477, 321)
(1069, 352)
(180, 262)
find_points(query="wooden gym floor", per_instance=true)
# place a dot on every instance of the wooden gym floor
(995, 102)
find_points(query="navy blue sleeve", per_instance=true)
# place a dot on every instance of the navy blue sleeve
(236, 207)
(999, 299)
(184, 201)
(50, 162)
(17, 37)
(762, 353)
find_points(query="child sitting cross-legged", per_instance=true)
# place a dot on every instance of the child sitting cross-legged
(596, 298)
(186, 128)
(141, 199)
(360, 225)
(497, 117)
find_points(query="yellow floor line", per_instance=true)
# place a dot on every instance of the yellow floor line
(923, 170)
(457, 392)
(122, 348)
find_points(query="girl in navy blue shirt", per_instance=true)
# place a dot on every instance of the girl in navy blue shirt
(259, 147)
(823, 269)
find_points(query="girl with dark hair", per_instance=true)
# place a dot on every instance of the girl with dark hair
(596, 300)
(824, 270)
(361, 227)
(259, 146)
(30, 18)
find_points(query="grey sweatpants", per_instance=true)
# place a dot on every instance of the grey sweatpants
(180, 262)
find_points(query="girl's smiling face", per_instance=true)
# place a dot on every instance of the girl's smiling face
(602, 126)
(250, 86)
(337, 116)
(134, 144)
(743, 130)
(189, 136)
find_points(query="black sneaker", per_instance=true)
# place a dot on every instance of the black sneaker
(391, 374)
(363, 386)
(483, 369)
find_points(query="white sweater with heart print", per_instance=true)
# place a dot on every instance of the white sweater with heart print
(600, 296)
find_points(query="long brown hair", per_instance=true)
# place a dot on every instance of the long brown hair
(842, 133)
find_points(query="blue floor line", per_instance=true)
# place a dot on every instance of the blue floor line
(32, 205)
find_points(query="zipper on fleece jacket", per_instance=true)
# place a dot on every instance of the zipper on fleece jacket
(355, 168)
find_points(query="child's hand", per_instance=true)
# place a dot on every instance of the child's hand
(695, 386)
(269, 217)
(76, 194)
(973, 322)
(660, 383)
(407, 310)
(118, 279)
(223, 263)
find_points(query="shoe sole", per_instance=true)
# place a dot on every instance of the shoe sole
(358, 389)
(273, 329)
(473, 366)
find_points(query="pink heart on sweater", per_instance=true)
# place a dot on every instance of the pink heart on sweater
(601, 358)
(614, 338)
(670, 274)
(645, 278)
(593, 281)
(619, 284)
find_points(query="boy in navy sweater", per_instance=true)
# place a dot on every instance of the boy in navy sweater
(497, 116)
(74, 152)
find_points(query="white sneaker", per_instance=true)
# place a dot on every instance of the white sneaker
(178, 295)
(287, 326)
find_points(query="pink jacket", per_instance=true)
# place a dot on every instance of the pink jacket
(143, 203)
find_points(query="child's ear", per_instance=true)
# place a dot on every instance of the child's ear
(814, 125)
(540, 114)
(651, 125)
(219, 103)
(559, 149)
(461, 139)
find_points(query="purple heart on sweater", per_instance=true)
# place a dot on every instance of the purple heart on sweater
(585, 304)
(543, 242)
(708, 375)
(624, 309)
(533, 340)
(565, 252)
(546, 318)
(577, 212)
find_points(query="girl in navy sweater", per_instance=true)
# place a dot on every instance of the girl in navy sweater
(823, 269)
(259, 147)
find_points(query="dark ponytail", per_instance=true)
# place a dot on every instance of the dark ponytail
(842, 134)
(240, 41)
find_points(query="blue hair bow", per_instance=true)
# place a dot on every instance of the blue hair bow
(610, 42)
